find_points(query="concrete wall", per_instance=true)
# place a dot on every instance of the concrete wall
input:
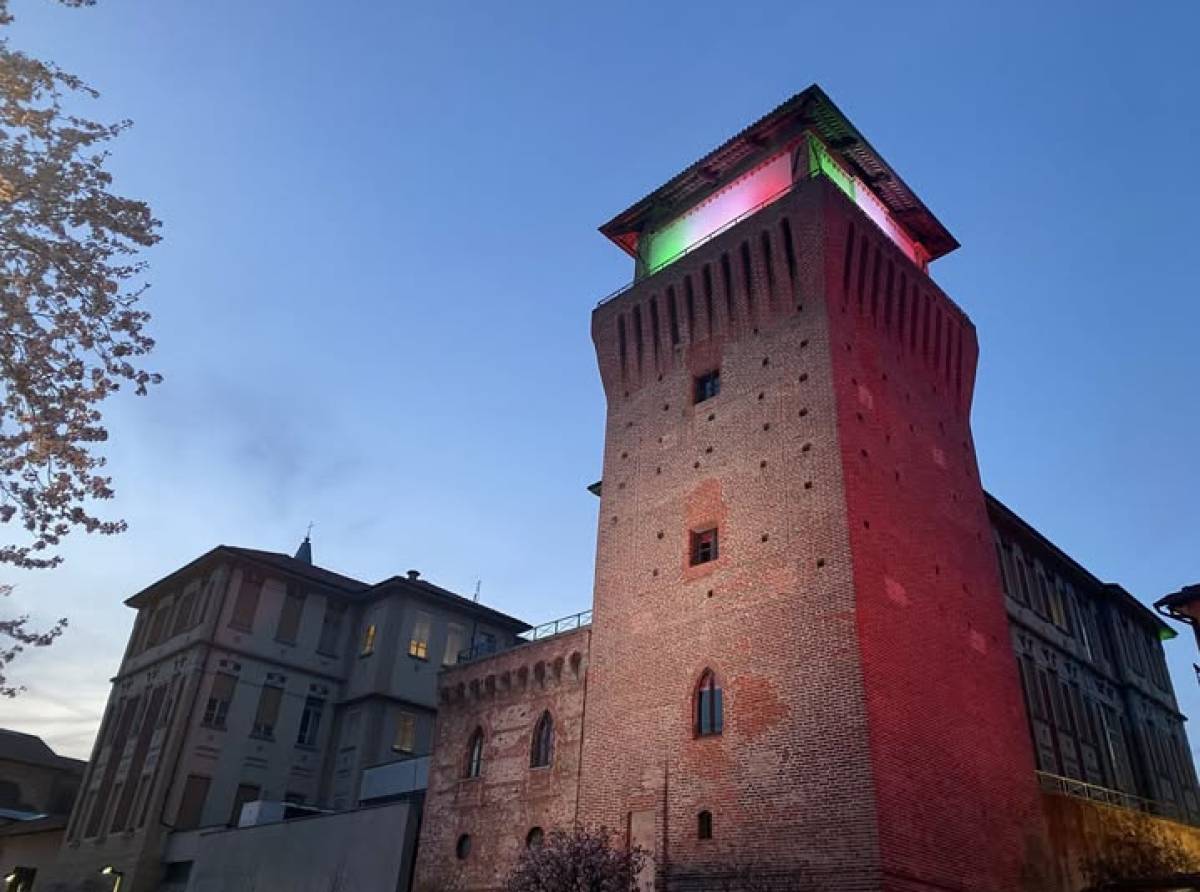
(368, 850)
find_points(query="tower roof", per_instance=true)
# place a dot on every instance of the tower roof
(809, 109)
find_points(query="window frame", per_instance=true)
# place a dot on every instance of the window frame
(706, 386)
(541, 749)
(473, 766)
(704, 546)
(708, 711)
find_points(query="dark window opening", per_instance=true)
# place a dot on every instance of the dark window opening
(542, 751)
(710, 718)
(533, 839)
(708, 385)
(704, 825)
(747, 277)
(462, 848)
(475, 754)
(789, 250)
(704, 546)
(727, 285)
(673, 317)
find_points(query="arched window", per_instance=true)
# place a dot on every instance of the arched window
(542, 751)
(704, 825)
(534, 837)
(709, 711)
(475, 754)
(462, 848)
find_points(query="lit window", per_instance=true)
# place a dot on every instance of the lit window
(707, 386)
(704, 825)
(406, 733)
(368, 643)
(418, 645)
(710, 719)
(704, 546)
(475, 754)
(542, 751)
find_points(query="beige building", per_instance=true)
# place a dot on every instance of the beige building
(252, 676)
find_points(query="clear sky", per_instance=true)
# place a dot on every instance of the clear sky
(372, 298)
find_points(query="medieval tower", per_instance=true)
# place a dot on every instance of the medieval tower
(799, 636)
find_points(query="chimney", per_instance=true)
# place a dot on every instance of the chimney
(414, 574)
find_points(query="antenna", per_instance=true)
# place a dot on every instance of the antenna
(478, 583)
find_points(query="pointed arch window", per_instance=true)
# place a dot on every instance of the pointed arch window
(542, 751)
(475, 754)
(710, 718)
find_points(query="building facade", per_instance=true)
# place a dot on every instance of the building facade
(253, 676)
(803, 667)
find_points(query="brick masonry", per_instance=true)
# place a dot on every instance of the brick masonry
(874, 736)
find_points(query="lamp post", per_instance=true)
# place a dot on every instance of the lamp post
(109, 871)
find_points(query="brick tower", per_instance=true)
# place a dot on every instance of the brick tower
(800, 665)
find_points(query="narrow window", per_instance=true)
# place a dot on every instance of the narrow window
(310, 721)
(689, 306)
(704, 546)
(713, 323)
(331, 628)
(405, 740)
(462, 848)
(219, 698)
(534, 838)
(622, 346)
(673, 317)
(768, 263)
(727, 284)
(748, 278)
(847, 264)
(268, 712)
(638, 335)
(474, 754)
(707, 386)
(887, 296)
(367, 640)
(289, 617)
(704, 825)
(456, 643)
(542, 750)
(418, 645)
(789, 250)
(863, 249)
(654, 338)
(709, 710)
(246, 605)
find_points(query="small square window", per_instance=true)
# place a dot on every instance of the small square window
(704, 546)
(708, 385)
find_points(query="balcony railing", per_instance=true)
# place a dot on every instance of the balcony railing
(558, 626)
(1069, 786)
(481, 649)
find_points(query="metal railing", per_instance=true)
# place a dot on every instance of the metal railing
(486, 648)
(558, 626)
(1069, 786)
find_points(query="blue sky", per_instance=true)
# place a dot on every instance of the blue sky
(372, 298)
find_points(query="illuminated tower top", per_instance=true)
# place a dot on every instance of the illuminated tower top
(804, 137)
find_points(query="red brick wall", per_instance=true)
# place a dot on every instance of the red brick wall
(789, 782)
(505, 695)
(954, 783)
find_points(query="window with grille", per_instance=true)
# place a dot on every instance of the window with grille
(710, 718)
